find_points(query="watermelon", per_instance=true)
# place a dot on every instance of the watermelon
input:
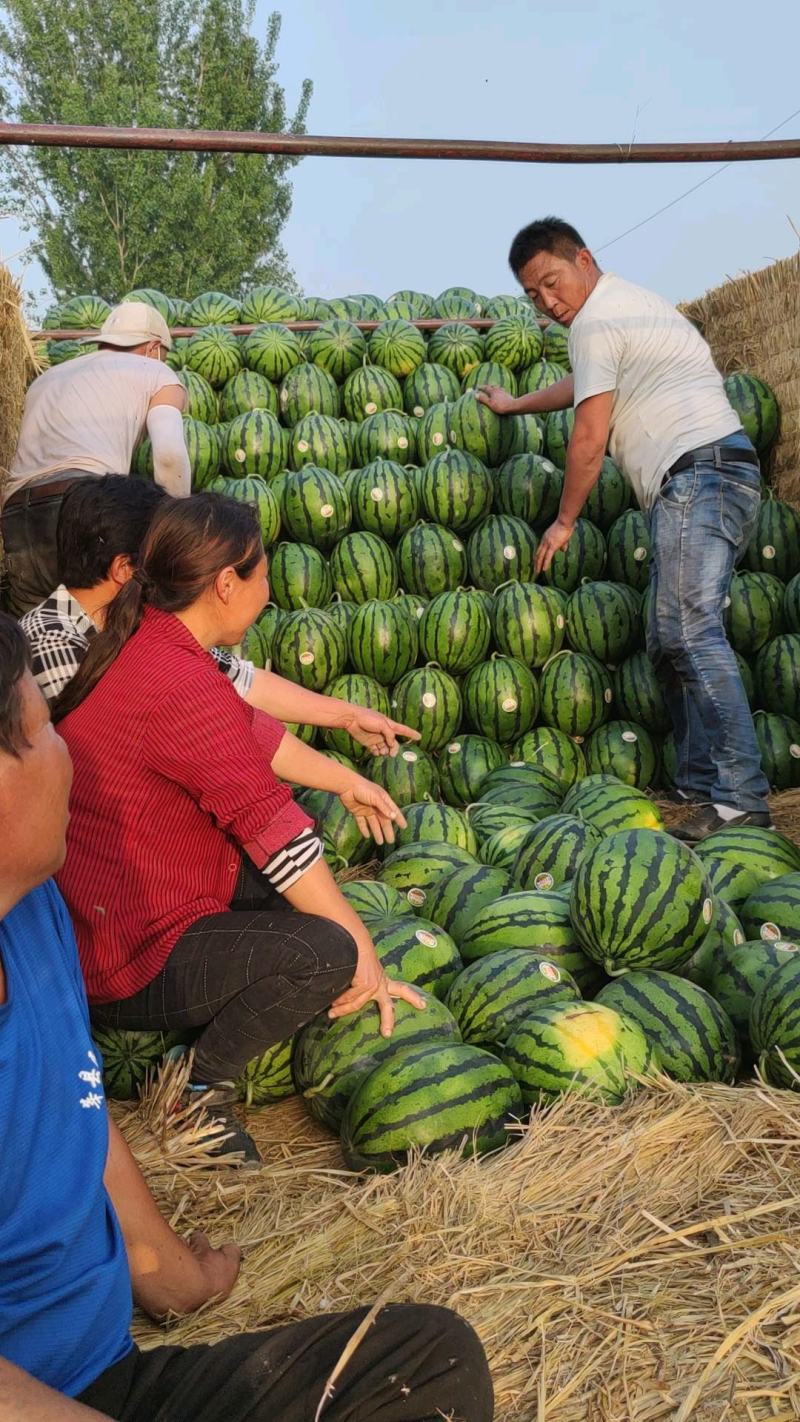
(475, 428)
(530, 786)
(363, 567)
(373, 900)
(342, 839)
(602, 621)
(253, 446)
(529, 487)
(539, 376)
(527, 623)
(202, 447)
(214, 353)
(415, 868)
(757, 408)
(59, 351)
(309, 649)
(299, 576)
(493, 995)
(437, 824)
(260, 496)
(583, 558)
(128, 1057)
(628, 550)
(555, 752)
(307, 389)
(407, 777)
(755, 611)
(464, 765)
(724, 932)
(429, 1099)
(640, 899)
(609, 498)
(551, 852)
(498, 307)
(409, 305)
(359, 691)
(772, 912)
(501, 849)
(531, 921)
(454, 632)
(458, 301)
(623, 749)
(736, 976)
(774, 1025)
(557, 433)
(83, 313)
(389, 434)
(247, 391)
(575, 693)
(609, 806)
(342, 612)
(315, 507)
(337, 347)
(488, 819)
(433, 431)
(638, 696)
(774, 546)
(501, 698)
(489, 372)
(580, 1047)
(556, 344)
(428, 700)
(431, 559)
(429, 384)
(457, 347)
(270, 303)
(741, 859)
(522, 434)
(779, 742)
(501, 548)
(271, 351)
(255, 647)
(415, 950)
(383, 641)
(693, 1037)
(513, 342)
(455, 899)
(321, 440)
(201, 400)
(455, 489)
(778, 674)
(332, 1058)
(268, 1077)
(213, 308)
(384, 498)
(369, 390)
(791, 604)
(397, 346)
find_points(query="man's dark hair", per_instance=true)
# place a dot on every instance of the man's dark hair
(548, 234)
(101, 519)
(15, 660)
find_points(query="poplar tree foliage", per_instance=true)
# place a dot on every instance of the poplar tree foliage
(181, 222)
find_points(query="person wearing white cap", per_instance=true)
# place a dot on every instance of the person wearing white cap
(85, 417)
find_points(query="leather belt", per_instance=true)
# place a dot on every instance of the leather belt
(41, 489)
(716, 454)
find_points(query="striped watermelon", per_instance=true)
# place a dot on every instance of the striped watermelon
(757, 408)
(513, 342)
(369, 390)
(772, 912)
(337, 347)
(384, 498)
(79, 313)
(343, 842)
(270, 303)
(429, 1099)
(775, 543)
(373, 900)
(791, 604)
(332, 1058)
(775, 1025)
(602, 620)
(458, 301)
(342, 612)
(555, 752)
(213, 308)
(755, 611)
(501, 548)
(535, 921)
(383, 641)
(741, 859)
(575, 693)
(778, 674)
(359, 691)
(309, 649)
(638, 696)
(724, 931)
(556, 344)
(299, 576)
(320, 440)
(307, 389)
(609, 806)
(455, 489)
(315, 507)
(527, 623)
(457, 347)
(415, 950)
(214, 353)
(202, 402)
(609, 498)
(583, 558)
(475, 428)
(522, 434)
(492, 996)
(247, 391)
(127, 1057)
(397, 346)
(202, 447)
(429, 384)
(640, 899)
(623, 749)
(557, 433)
(415, 868)
(489, 372)
(551, 852)
(433, 430)
(489, 820)
(255, 646)
(389, 434)
(455, 899)
(454, 631)
(272, 351)
(363, 567)
(260, 496)
(498, 307)
(431, 560)
(737, 975)
(628, 550)
(501, 849)
(539, 376)
(693, 1037)
(501, 698)
(253, 446)
(529, 487)
(464, 765)
(530, 786)
(428, 700)
(779, 742)
(437, 824)
(580, 1047)
(412, 605)
(268, 1077)
(408, 777)
(409, 305)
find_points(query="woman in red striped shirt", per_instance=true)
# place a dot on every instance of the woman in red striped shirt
(197, 886)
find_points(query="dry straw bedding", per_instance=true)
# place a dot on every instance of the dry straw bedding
(621, 1265)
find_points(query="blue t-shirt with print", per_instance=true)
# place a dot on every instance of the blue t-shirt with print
(65, 1291)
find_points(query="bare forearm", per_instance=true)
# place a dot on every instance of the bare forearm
(554, 397)
(317, 892)
(302, 765)
(287, 702)
(584, 460)
(24, 1399)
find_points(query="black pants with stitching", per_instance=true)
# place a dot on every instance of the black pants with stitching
(247, 978)
(416, 1363)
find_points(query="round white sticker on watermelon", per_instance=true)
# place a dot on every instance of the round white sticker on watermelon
(770, 933)
(454, 748)
(459, 547)
(607, 695)
(551, 972)
(428, 700)
(409, 755)
(326, 511)
(402, 442)
(547, 466)
(630, 737)
(302, 445)
(418, 411)
(376, 495)
(509, 551)
(428, 940)
(416, 897)
(239, 455)
(768, 551)
(708, 910)
(515, 764)
(371, 408)
(509, 704)
(794, 751)
(639, 555)
(560, 622)
(437, 439)
(738, 938)
(305, 659)
(726, 604)
(543, 881)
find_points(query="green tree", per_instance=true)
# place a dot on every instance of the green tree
(182, 222)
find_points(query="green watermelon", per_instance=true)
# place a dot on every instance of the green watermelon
(247, 391)
(551, 852)
(215, 353)
(315, 506)
(268, 1077)
(530, 786)
(779, 742)
(454, 632)
(531, 921)
(488, 819)
(306, 389)
(741, 859)
(438, 824)
(774, 546)
(555, 752)
(775, 1025)
(529, 486)
(271, 351)
(337, 347)
(83, 313)
(755, 611)
(397, 346)
(575, 693)
(299, 576)
(791, 604)
(389, 434)
(457, 347)
(693, 1037)
(623, 749)
(201, 400)
(369, 390)
(415, 950)
(501, 849)
(527, 623)
(409, 305)
(495, 994)
(431, 559)
(556, 344)
(609, 498)
(464, 765)
(580, 1047)
(772, 912)
(213, 308)
(321, 440)
(638, 696)
(455, 899)
(501, 698)
(628, 550)
(407, 777)
(475, 428)
(513, 342)
(558, 431)
(373, 900)
(736, 975)
(433, 430)
(384, 498)
(309, 649)
(756, 406)
(203, 449)
(359, 691)
(383, 641)
(539, 376)
(428, 700)
(489, 372)
(609, 806)
(602, 621)
(429, 384)
(363, 567)
(128, 1057)
(522, 434)
(455, 489)
(501, 548)
(415, 868)
(253, 446)
(458, 301)
(270, 303)
(778, 674)
(583, 558)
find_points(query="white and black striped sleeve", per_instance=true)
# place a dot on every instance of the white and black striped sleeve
(290, 863)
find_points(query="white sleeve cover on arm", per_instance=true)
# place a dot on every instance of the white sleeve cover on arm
(170, 459)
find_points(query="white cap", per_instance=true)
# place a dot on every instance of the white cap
(133, 323)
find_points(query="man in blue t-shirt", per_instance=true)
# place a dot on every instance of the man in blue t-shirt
(81, 1236)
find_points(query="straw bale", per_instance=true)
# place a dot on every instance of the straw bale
(631, 1264)
(752, 323)
(19, 363)
(785, 807)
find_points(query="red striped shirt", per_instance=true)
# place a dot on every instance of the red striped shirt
(172, 778)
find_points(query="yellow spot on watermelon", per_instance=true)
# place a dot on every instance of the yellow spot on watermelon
(587, 1036)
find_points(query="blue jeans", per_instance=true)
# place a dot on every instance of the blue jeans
(700, 526)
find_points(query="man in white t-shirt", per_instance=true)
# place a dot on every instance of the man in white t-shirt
(644, 386)
(82, 417)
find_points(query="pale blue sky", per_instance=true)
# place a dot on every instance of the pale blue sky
(656, 70)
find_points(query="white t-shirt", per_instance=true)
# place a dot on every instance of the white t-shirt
(668, 394)
(88, 414)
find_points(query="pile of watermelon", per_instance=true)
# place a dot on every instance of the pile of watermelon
(563, 939)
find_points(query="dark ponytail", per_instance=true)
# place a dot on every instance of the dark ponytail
(188, 544)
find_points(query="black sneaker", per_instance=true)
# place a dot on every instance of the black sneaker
(217, 1101)
(683, 797)
(706, 820)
